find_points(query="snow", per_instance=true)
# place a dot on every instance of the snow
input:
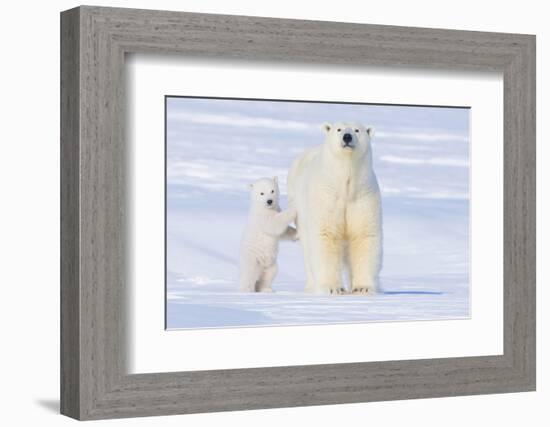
(215, 148)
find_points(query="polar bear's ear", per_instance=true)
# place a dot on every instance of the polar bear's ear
(327, 127)
(276, 180)
(250, 186)
(370, 131)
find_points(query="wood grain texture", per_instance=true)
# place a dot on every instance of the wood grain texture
(70, 220)
(94, 382)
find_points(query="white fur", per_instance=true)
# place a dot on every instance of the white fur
(260, 243)
(339, 215)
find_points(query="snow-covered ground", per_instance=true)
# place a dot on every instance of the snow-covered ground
(216, 147)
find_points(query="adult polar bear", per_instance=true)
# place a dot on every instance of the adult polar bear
(339, 220)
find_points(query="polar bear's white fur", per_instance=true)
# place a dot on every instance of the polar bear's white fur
(339, 215)
(260, 243)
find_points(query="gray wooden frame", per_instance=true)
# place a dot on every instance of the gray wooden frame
(94, 41)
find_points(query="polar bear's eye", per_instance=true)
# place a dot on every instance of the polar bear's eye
(272, 191)
(339, 130)
(261, 194)
(356, 130)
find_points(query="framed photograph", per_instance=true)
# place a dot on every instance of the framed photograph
(262, 213)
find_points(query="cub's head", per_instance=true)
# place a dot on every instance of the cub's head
(265, 193)
(348, 138)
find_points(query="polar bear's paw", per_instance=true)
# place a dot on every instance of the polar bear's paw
(337, 290)
(363, 290)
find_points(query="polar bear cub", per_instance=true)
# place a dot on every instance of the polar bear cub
(260, 242)
(339, 211)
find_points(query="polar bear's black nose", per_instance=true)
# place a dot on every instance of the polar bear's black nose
(347, 138)
(269, 201)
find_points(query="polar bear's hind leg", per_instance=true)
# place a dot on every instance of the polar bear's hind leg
(249, 275)
(266, 279)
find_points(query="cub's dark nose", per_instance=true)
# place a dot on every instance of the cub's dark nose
(347, 138)
(269, 202)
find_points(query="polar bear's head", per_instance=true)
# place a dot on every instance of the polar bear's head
(265, 193)
(348, 138)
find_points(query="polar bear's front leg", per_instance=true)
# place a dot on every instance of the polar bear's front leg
(289, 234)
(279, 223)
(266, 279)
(308, 256)
(365, 258)
(326, 264)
